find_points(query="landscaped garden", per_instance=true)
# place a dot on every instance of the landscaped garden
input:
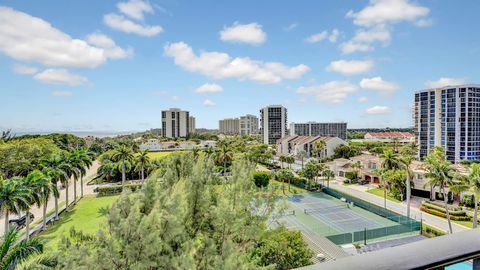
(379, 192)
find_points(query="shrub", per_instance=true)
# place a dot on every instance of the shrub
(467, 200)
(430, 231)
(442, 214)
(261, 179)
(117, 189)
(351, 176)
(452, 211)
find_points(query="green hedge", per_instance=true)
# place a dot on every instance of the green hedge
(442, 214)
(261, 178)
(435, 207)
(117, 189)
(431, 232)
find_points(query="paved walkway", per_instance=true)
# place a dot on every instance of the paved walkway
(38, 212)
(398, 207)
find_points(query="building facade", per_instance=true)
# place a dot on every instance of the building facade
(191, 125)
(449, 117)
(319, 129)
(389, 137)
(175, 123)
(248, 124)
(229, 126)
(273, 123)
(295, 145)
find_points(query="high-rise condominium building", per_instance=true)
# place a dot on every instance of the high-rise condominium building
(319, 129)
(273, 123)
(248, 124)
(229, 126)
(191, 125)
(449, 117)
(176, 123)
(245, 125)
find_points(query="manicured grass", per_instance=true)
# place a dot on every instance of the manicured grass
(379, 192)
(85, 217)
(277, 186)
(159, 155)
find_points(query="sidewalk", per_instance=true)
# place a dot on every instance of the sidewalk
(400, 208)
(38, 212)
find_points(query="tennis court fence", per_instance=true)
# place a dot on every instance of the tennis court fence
(405, 225)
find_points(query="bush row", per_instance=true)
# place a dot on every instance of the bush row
(442, 214)
(430, 231)
(117, 189)
(442, 209)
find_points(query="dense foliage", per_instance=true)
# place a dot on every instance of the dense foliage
(185, 220)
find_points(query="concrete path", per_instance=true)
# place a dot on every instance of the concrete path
(38, 212)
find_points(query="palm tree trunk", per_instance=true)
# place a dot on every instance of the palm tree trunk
(302, 163)
(56, 208)
(384, 195)
(81, 186)
(66, 197)
(6, 222)
(408, 196)
(445, 199)
(475, 212)
(224, 166)
(143, 175)
(27, 225)
(74, 191)
(123, 173)
(44, 225)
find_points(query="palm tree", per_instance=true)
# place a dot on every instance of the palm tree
(289, 160)
(302, 154)
(470, 182)
(85, 160)
(35, 182)
(71, 171)
(107, 169)
(14, 197)
(391, 161)
(195, 152)
(46, 190)
(225, 155)
(319, 147)
(123, 153)
(209, 151)
(14, 251)
(406, 162)
(329, 175)
(56, 169)
(441, 174)
(143, 160)
(282, 159)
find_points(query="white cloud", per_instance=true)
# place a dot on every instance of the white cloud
(379, 85)
(362, 99)
(388, 11)
(378, 110)
(106, 43)
(209, 103)
(332, 92)
(351, 47)
(251, 33)
(332, 37)
(25, 70)
(445, 81)
(291, 27)
(60, 76)
(135, 8)
(27, 38)
(62, 93)
(352, 67)
(119, 22)
(317, 37)
(209, 88)
(220, 65)
(363, 39)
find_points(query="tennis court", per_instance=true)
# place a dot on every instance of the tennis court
(317, 213)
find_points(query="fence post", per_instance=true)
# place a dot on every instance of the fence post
(365, 236)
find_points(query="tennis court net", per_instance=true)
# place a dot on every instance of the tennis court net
(325, 209)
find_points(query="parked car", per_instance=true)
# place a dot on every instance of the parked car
(363, 182)
(21, 221)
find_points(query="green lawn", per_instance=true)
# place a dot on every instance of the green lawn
(274, 184)
(379, 192)
(85, 216)
(159, 155)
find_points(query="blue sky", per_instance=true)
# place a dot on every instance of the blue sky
(114, 65)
